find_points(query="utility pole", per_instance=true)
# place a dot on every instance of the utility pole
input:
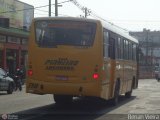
(84, 9)
(56, 8)
(49, 8)
(86, 13)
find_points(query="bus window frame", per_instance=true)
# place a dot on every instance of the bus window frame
(92, 36)
(112, 50)
(105, 43)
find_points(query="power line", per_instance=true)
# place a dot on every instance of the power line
(40, 13)
(32, 8)
(119, 20)
(51, 12)
(90, 12)
(42, 10)
(82, 8)
(23, 9)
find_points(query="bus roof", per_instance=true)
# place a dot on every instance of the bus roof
(66, 18)
(109, 26)
(119, 31)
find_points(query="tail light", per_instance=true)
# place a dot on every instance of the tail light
(30, 72)
(95, 76)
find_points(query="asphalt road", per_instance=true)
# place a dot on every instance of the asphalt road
(144, 101)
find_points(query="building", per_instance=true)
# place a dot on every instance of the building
(149, 44)
(15, 20)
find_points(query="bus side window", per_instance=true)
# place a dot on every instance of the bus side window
(119, 48)
(134, 52)
(125, 49)
(106, 45)
(130, 51)
(122, 48)
(112, 48)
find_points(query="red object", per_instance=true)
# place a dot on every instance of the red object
(95, 75)
(30, 72)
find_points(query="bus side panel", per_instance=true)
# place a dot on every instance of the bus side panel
(106, 80)
(120, 73)
(128, 76)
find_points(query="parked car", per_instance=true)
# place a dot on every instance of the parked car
(157, 73)
(6, 82)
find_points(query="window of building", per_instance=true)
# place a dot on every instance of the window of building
(2, 38)
(24, 41)
(12, 39)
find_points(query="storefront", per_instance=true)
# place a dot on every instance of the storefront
(13, 48)
(14, 33)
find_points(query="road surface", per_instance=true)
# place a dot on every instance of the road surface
(145, 102)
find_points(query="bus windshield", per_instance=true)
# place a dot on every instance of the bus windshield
(52, 33)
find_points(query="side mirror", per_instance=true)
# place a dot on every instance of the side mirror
(5, 76)
(7, 73)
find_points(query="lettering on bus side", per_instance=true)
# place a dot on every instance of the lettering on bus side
(64, 64)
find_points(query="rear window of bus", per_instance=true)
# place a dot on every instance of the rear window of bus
(73, 33)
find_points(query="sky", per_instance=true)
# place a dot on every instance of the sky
(131, 15)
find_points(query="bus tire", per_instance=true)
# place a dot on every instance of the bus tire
(116, 93)
(63, 99)
(129, 93)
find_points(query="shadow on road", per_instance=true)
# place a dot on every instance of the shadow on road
(80, 109)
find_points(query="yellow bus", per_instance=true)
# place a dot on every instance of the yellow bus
(80, 57)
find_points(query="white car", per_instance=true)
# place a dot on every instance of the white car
(6, 82)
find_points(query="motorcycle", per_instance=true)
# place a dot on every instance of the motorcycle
(17, 77)
(18, 83)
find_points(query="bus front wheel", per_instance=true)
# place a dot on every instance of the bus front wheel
(62, 99)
